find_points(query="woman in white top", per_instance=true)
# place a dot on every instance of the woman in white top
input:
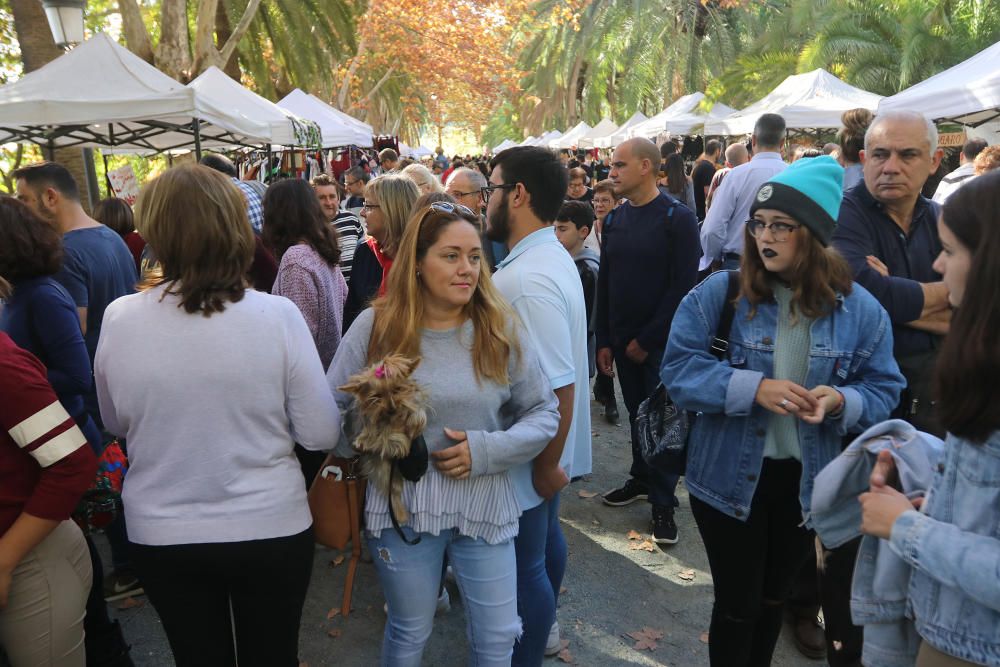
(212, 383)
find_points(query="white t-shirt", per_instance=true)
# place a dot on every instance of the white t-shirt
(541, 282)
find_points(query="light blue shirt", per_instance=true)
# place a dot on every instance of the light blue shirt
(722, 230)
(541, 282)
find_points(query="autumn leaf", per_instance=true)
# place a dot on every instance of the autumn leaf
(334, 632)
(563, 590)
(634, 535)
(336, 561)
(333, 612)
(686, 575)
(131, 603)
(645, 545)
(585, 494)
(645, 639)
(703, 638)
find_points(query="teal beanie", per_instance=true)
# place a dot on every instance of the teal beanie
(809, 190)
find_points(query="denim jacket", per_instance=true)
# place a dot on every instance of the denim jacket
(850, 348)
(953, 545)
(881, 577)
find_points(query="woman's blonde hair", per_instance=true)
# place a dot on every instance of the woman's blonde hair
(395, 194)
(195, 220)
(399, 314)
(421, 175)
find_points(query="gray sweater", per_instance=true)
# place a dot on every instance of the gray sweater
(506, 425)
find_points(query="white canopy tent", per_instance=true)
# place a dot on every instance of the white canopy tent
(570, 138)
(284, 127)
(693, 123)
(658, 123)
(812, 100)
(606, 126)
(620, 133)
(101, 94)
(529, 141)
(503, 145)
(968, 93)
(337, 128)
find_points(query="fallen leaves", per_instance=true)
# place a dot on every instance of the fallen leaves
(131, 603)
(645, 639)
(334, 632)
(563, 590)
(337, 561)
(634, 535)
(703, 638)
(645, 545)
(686, 575)
(564, 653)
(585, 494)
(333, 612)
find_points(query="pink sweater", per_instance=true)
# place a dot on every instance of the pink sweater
(319, 291)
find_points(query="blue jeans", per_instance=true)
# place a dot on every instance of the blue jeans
(411, 577)
(541, 563)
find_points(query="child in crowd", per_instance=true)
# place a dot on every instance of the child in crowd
(573, 226)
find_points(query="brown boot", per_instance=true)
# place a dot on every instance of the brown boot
(809, 637)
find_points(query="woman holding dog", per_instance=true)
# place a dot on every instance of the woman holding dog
(809, 359)
(488, 409)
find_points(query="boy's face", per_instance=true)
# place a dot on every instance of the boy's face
(571, 237)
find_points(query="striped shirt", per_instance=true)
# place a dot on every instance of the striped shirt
(505, 425)
(349, 231)
(45, 461)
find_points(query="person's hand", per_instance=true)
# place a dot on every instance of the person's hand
(783, 397)
(884, 473)
(828, 400)
(877, 264)
(880, 508)
(606, 361)
(635, 353)
(455, 461)
(6, 577)
(548, 480)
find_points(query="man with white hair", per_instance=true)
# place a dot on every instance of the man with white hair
(466, 186)
(736, 154)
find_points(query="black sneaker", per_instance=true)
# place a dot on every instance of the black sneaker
(611, 412)
(121, 585)
(664, 528)
(628, 494)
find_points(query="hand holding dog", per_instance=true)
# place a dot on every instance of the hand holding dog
(455, 461)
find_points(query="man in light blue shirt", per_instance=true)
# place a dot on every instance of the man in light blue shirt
(722, 231)
(538, 277)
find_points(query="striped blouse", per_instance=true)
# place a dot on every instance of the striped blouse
(505, 425)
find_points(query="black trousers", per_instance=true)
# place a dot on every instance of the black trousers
(192, 587)
(637, 382)
(844, 640)
(754, 565)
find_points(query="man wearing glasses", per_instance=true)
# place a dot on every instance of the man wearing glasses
(355, 180)
(466, 186)
(722, 231)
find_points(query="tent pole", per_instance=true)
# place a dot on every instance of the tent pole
(267, 166)
(197, 139)
(107, 179)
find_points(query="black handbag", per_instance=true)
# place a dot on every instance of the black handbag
(661, 426)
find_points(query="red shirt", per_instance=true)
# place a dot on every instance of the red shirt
(136, 244)
(45, 461)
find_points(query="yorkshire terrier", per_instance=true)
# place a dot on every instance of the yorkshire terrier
(390, 407)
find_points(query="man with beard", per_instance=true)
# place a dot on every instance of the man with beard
(346, 224)
(649, 262)
(466, 186)
(538, 278)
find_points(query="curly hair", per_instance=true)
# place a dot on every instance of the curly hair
(29, 246)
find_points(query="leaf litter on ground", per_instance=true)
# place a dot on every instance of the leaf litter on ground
(686, 575)
(634, 535)
(645, 545)
(645, 639)
(585, 494)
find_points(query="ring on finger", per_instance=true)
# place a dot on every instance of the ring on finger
(783, 403)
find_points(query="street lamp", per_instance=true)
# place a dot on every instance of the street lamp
(65, 20)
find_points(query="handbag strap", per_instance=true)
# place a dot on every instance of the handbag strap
(353, 504)
(720, 342)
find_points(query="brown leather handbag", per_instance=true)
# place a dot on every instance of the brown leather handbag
(337, 500)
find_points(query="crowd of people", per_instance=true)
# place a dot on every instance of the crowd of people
(843, 415)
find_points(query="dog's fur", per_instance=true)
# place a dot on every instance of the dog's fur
(390, 406)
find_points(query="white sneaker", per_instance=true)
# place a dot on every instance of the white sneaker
(554, 643)
(444, 603)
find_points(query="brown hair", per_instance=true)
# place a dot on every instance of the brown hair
(195, 218)
(820, 273)
(969, 362)
(987, 160)
(607, 185)
(851, 136)
(292, 214)
(29, 246)
(116, 214)
(399, 314)
(578, 172)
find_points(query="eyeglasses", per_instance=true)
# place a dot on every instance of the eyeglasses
(488, 190)
(779, 230)
(448, 207)
(456, 193)
(350, 183)
(369, 206)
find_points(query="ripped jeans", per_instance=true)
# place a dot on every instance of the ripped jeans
(410, 576)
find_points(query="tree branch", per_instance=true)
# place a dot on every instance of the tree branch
(241, 28)
(381, 82)
(204, 45)
(136, 34)
(345, 85)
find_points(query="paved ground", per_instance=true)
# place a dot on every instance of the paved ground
(610, 590)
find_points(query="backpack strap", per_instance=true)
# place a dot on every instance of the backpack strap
(720, 342)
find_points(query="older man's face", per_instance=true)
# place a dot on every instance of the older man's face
(464, 192)
(898, 160)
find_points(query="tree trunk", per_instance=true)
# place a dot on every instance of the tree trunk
(223, 31)
(173, 53)
(136, 35)
(205, 53)
(37, 49)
